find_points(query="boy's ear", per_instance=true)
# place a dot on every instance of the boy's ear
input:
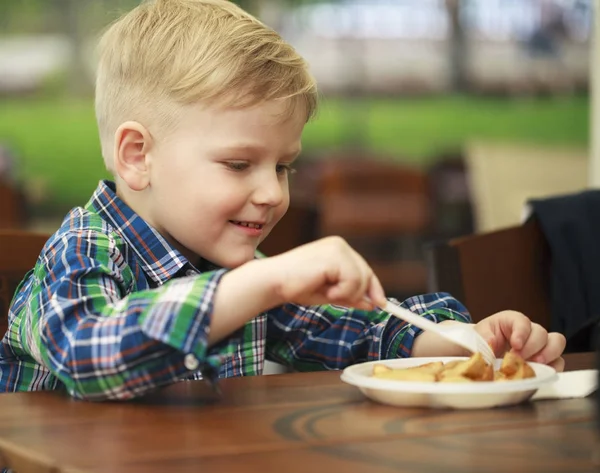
(131, 160)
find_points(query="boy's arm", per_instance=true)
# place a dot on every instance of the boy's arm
(101, 343)
(333, 337)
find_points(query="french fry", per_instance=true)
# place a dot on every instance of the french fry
(434, 367)
(452, 364)
(487, 374)
(455, 379)
(510, 364)
(380, 369)
(408, 375)
(525, 371)
(474, 369)
(499, 376)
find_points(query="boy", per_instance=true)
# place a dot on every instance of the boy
(200, 111)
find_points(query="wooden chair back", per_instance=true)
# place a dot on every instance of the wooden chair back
(12, 207)
(383, 210)
(495, 271)
(19, 251)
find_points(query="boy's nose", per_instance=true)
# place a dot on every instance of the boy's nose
(269, 191)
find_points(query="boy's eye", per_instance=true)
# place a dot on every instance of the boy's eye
(285, 169)
(237, 165)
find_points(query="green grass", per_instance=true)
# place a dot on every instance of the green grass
(56, 140)
(418, 130)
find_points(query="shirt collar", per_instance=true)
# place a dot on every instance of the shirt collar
(159, 260)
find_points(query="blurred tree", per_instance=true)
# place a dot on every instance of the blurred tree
(257, 7)
(21, 16)
(6, 12)
(70, 14)
(458, 47)
(77, 19)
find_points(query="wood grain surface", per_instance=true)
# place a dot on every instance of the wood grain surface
(290, 423)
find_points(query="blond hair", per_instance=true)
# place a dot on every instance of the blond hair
(165, 54)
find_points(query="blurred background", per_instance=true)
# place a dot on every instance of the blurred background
(439, 118)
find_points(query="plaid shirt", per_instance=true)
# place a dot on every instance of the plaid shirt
(112, 311)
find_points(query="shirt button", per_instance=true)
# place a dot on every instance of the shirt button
(191, 362)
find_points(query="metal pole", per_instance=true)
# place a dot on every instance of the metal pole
(594, 166)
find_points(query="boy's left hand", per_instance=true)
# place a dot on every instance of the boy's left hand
(510, 330)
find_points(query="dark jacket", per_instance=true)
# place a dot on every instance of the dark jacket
(571, 225)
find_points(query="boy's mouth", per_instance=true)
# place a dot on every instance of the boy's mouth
(258, 226)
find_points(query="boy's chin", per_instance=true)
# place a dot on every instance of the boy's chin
(231, 261)
(235, 263)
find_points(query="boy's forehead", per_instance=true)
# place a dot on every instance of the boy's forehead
(234, 121)
(267, 128)
(272, 111)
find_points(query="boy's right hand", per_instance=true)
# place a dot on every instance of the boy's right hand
(326, 271)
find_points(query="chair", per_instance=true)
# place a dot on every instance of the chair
(295, 228)
(451, 202)
(491, 272)
(18, 253)
(383, 210)
(12, 207)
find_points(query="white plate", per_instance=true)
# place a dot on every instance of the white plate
(477, 395)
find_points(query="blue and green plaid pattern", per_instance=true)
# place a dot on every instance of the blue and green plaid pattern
(111, 310)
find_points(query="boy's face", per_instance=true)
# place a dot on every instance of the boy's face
(219, 182)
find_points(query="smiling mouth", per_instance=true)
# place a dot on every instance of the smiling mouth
(257, 226)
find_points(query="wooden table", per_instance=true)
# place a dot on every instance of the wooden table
(290, 423)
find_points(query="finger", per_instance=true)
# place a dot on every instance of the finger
(364, 304)
(368, 275)
(499, 346)
(356, 281)
(352, 292)
(495, 342)
(376, 292)
(344, 291)
(558, 364)
(365, 278)
(552, 350)
(538, 339)
(347, 285)
(516, 329)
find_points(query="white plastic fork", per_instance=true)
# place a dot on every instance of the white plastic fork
(460, 334)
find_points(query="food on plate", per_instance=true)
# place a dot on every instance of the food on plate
(514, 367)
(475, 368)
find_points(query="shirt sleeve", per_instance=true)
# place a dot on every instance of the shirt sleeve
(333, 337)
(85, 322)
